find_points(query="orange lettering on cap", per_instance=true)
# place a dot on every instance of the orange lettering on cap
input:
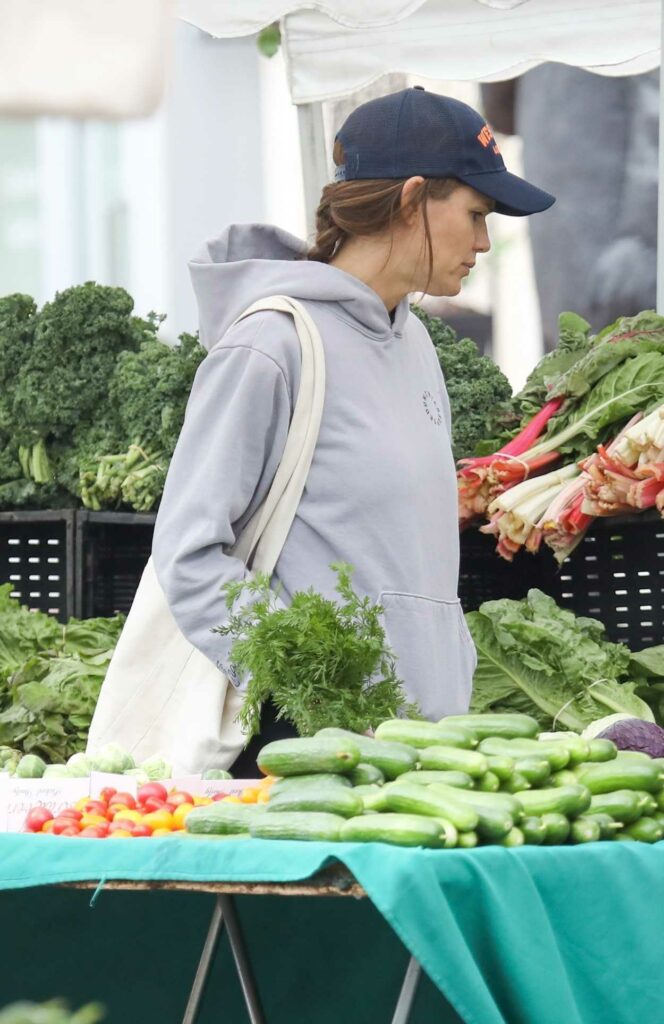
(486, 138)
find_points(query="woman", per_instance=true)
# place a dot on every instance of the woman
(417, 174)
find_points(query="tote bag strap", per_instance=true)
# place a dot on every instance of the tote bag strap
(264, 535)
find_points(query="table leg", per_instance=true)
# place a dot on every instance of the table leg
(241, 958)
(203, 970)
(407, 994)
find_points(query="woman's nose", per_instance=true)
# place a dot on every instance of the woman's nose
(482, 240)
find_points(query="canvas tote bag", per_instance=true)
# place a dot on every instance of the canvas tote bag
(161, 695)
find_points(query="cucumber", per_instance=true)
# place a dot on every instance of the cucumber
(421, 734)
(306, 755)
(568, 800)
(372, 797)
(659, 797)
(607, 826)
(534, 830)
(393, 759)
(298, 781)
(601, 750)
(398, 829)
(406, 798)
(309, 825)
(222, 818)
(508, 726)
(647, 802)
(645, 830)
(516, 783)
(504, 802)
(329, 799)
(454, 759)
(634, 755)
(489, 783)
(658, 817)
(535, 769)
(584, 830)
(564, 777)
(500, 766)
(514, 837)
(557, 828)
(622, 805)
(557, 754)
(619, 774)
(579, 748)
(467, 840)
(461, 780)
(493, 821)
(366, 775)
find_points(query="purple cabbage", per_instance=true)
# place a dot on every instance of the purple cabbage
(635, 734)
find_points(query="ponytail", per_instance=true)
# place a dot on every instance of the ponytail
(329, 236)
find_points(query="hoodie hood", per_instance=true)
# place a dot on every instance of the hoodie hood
(248, 262)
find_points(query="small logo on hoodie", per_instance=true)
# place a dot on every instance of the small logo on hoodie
(431, 408)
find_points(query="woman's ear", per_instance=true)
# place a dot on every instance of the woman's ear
(410, 211)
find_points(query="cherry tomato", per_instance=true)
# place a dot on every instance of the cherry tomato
(154, 803)
(220, 796)
(37, 818)
(126, 814)
(124, 798)
(70, 812)
(92, 833)
(92, 820)
(141, 830)
(180, 815)
(71, 830)
(150, 789)
(92, 807)
(120, 833)
(177, 797)
(107, 794)
(61, 825)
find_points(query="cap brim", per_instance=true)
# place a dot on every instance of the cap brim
(514, 196)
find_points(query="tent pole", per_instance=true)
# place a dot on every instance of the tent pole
(660, 194)
(315, 171)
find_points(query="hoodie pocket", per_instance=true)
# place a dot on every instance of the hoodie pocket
(436, 656)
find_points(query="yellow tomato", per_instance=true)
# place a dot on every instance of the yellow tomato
(249, 795)
(202, 801)
(120, 833)
(162, 831)
(48, 825)
(128, 815)
(180, 815)
(158, 821)
(92, 819)
(79, 805)
(230, 800)
(268, 781)
(263, 797)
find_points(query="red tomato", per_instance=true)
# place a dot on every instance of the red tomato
(61, 824)
(124, 798)
(149, 789)
(136, 828)
(141, 830)
(92, 832)
(107, 793)
(71, 830)
(70, 812)
(219, 796)
(93, 807)
(37, 818)
(153, 803)
(177, 797)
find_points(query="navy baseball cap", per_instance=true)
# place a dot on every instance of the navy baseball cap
(415, 132)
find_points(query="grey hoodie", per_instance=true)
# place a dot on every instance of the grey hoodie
(381, 492)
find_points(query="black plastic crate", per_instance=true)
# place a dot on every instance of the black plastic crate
(112, 549)
(616, 575)
(37, 558)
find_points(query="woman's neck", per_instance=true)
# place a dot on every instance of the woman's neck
(372, 264)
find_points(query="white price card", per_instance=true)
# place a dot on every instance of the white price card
(105, 780)
(4, 780)
(56, 794)
(192, 784)
(229, 787)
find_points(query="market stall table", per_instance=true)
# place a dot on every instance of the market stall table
(509, 936)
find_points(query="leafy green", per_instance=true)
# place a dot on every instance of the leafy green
(321, 662)
(536, 657)
(478, 390)
(50, 677)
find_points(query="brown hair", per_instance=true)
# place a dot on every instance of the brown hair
(369, 207)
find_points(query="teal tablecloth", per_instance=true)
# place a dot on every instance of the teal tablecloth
(568, 935)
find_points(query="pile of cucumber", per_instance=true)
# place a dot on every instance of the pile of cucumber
(467, 781)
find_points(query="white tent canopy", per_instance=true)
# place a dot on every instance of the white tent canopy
(333, 49)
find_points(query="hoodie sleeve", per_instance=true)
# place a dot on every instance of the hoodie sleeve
(232, 440)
